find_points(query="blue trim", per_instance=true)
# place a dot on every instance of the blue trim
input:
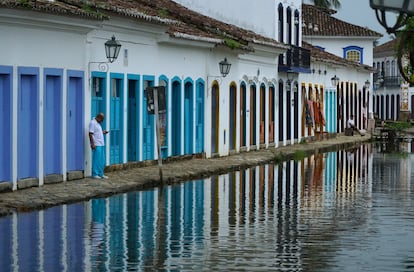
(301, 70)
(320, 47)
(116, 114)
(176, 118)
(188, 106)
(148, 122)
(133, 124)
(52, 129)
(98, 104)
(164, 148)
(28, 125)
(199, 122)
(6, 137)
(188, 80)
(354, 48)
(75, 129)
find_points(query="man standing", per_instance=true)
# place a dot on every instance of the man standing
(98, 146)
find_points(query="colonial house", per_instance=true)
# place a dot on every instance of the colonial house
(389, 85)
(56, 77)
(352, 43)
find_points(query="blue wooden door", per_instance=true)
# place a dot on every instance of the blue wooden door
(176, 119)
(200, 118)
(75, 132)
(27, 145)
(188, 118)
(5, 121)
(133, 118)
(148, 125)
(98, 93)
(116, 119)
(52, 151)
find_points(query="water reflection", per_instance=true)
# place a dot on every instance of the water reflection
(328, 212)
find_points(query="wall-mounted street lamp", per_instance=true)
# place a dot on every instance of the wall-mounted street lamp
(290, 75)
(404, 8)
(112, 48)
(367, 84)
(335, 81)
(224, 67)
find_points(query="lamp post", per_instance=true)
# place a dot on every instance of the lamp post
(367, 84)
(112, 48)
(224, 67)
(335, 81)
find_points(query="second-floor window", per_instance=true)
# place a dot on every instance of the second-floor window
(353, 53)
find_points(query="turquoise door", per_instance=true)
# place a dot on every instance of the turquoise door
(176, 118)
(133, 118)
(98, 93)
(116, 119)
(5, 120)
(200, 117)
(188, 117)
(148, 124)
(75, 132)
(52, 135)
(28, 129)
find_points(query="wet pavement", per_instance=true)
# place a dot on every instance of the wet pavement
(174, 171)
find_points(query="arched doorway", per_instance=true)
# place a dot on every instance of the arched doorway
(215, 117)
(243, 110)
(232, 116)
(176, 117)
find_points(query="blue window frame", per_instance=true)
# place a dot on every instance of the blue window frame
(354, 53)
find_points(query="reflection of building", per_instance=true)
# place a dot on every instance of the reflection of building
(267, 211)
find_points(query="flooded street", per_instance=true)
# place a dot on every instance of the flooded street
(349, 210)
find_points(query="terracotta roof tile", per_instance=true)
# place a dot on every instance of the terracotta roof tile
(331, 26)
(181, 21)
(388, 47)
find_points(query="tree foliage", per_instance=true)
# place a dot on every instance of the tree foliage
(327, 3)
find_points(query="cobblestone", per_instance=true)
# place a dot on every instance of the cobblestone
(144, 176)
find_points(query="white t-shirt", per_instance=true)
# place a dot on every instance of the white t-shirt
(351, 123)
(96, 129)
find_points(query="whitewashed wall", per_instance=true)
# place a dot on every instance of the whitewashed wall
(335, 45)
(259, 17)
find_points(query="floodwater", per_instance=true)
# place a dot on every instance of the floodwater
(351, 210)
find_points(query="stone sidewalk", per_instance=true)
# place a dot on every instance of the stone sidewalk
(140, 178)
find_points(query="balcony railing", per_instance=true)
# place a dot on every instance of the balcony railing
(296, 59)
(387, 81)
